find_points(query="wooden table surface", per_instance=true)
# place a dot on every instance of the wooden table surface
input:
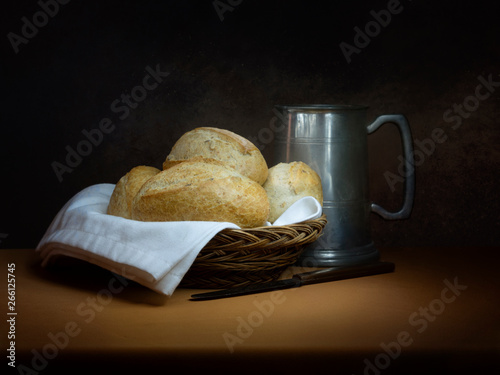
(439, 311)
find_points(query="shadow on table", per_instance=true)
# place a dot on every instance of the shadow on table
(78, 274)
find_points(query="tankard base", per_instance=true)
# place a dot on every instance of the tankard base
(315, 257)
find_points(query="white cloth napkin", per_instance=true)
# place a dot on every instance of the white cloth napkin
(154, 254)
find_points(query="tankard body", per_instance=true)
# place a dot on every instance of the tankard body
(333, 140)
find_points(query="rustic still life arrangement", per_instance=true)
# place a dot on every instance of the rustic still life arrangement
(215, 216)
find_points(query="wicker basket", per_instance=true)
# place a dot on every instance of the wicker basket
(237, 257)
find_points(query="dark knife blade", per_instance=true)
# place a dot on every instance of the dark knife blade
(306, 278)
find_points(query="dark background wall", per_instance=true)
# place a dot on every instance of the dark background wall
(229, 71)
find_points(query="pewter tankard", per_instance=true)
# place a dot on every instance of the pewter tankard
(332, 139)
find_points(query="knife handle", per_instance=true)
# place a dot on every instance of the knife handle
(341, 273)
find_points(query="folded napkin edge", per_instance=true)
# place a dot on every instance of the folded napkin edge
(54, 250)
(65, 237)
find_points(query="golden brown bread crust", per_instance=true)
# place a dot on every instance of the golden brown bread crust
(287, 183)
(233, 150)
(126, 188)
(200, 191)
(170, 163)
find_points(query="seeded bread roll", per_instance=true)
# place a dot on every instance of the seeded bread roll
(126, 188)
(287, 183)
(201, 191)
(234, 151)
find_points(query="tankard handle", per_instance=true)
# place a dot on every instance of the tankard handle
(409, 186)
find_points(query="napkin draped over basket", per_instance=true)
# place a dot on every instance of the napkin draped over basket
(162, 255)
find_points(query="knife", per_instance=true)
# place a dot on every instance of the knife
(299, 279)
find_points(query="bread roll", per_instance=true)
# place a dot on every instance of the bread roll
(233, 150)
(126, 188)
(201, 191)
(287, 183)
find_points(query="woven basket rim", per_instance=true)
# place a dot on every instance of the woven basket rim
(237, 257)
(267, 237)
